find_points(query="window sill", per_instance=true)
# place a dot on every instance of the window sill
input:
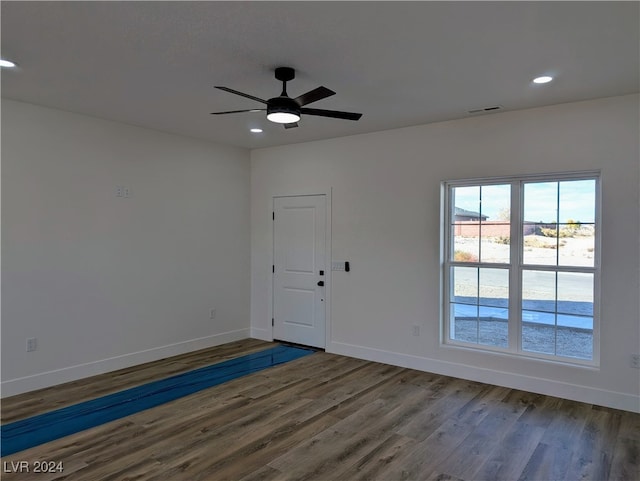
(539, 358)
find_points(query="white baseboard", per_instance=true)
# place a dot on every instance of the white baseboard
(574, 392)
(80, 371)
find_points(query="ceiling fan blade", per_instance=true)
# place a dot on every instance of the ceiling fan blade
(334, 114)
(292, 125)
(314, 95)
(237, 111)
(241, 94)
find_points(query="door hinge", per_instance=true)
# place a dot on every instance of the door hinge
(272, 322)
(273, 268)
(273, 215)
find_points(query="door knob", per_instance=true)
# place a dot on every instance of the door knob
(321, 283)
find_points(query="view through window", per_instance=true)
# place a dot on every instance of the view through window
(521, 265)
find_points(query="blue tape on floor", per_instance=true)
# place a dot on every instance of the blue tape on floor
(46, 427)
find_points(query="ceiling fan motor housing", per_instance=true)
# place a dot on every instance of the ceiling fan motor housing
(283, 104)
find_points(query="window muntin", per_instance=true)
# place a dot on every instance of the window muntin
(526, 288)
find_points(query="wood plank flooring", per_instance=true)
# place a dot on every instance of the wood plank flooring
(329, 417)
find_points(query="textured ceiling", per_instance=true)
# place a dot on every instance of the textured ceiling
(154, 64)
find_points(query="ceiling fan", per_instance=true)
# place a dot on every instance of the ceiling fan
(285, 110)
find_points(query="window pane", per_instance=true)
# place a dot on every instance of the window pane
(576, 217)
(573, 341)
(464, 322)
(465, 229)
(494, 287)
(539, 248)
(575, 336)
(485, 324)
(493, 326)
(576, 244)
(466, 202)
(577, 200)
(575, 293)
(557, 313)
(495, 220)
(539, 311)
(465, 284)
(538, 338)
(541, 202)
(493, 310)
(539, 229)
(539, 290)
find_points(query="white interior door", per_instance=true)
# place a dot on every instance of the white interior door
(299, 271)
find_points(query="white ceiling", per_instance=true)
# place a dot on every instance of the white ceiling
(154, 64)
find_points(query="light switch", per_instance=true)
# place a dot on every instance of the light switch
(338, 265)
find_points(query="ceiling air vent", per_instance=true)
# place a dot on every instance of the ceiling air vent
(485, 109)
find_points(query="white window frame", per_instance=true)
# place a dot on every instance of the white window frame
(516, 265)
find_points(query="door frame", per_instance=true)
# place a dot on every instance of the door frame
(328, 262)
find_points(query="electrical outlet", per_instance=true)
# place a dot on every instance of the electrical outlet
(212, 313)
(32, 344)
(119, 191)
(416, 330)
(635, 361)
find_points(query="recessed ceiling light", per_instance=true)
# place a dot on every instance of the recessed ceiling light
(256, 131)
(542, 80)
(6, 63)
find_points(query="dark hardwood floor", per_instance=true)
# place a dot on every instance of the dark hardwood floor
(329, 417)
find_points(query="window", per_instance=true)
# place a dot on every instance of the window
(521, 265)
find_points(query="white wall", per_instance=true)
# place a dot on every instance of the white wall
(105, 282)
(385, 220)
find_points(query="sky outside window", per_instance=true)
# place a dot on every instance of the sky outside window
(577, 200)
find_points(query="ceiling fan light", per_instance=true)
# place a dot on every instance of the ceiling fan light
(283, 117)
(283, 110)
